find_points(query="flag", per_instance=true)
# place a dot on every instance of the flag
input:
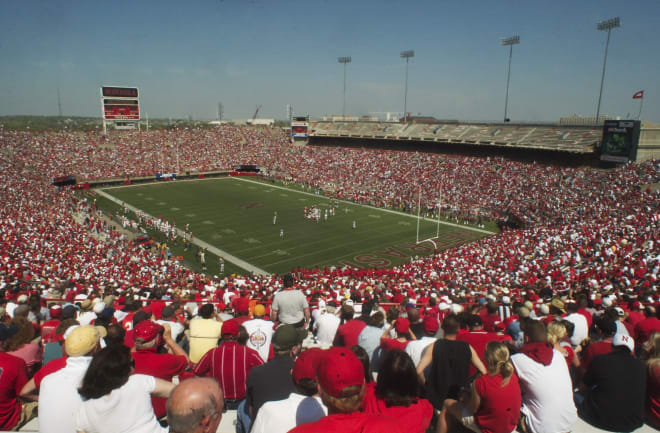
(639, 95)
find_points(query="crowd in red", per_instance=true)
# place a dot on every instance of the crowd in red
(584, 228)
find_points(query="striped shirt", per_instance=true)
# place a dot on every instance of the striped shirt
(230, 365)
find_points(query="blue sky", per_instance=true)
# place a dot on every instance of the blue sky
(187, 56)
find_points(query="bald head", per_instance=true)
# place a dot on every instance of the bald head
(195, 406)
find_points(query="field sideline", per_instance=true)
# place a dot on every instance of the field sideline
(235, 218)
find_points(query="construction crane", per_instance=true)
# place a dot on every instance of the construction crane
(255, 113)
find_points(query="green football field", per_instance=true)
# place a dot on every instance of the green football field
(236, 216)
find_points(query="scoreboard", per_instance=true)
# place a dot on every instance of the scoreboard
(300, 126)
(120, 103)
(620, 140)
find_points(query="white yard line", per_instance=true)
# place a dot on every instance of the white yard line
(200, 243)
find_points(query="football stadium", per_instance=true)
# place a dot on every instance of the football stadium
(369, 271)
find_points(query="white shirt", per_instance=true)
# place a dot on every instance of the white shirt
(260, 333)
(59, 400)
(86, 318)
(326, 327)
(581, 330)
(547, 394)
(176, 327)
(416, 348)
(283, 415)
(125, 410)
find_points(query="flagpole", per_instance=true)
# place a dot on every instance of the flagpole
(641, 102)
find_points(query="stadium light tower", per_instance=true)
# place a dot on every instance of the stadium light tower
(510, 42)
(344, 61)
(606, 25)
(406, 55)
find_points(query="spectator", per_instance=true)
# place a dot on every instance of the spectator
(115, 399)
(605, 330)
(448, 361)
(59, 399)
(558, 338)
(492, 402)
(341, 386)
(416, 348)
(653, 382)
(645, 328)
(615, 388)
(230, 364)
(581, 330)
(547, 394)
(326, 325)
(398, 393)
(369, 338)
(302, 406)
(168, 317)
(349, 330)
(205, 332)
(403, 334)
(21, 345)
(195, 406)
(272, 381)
(260, 332)
(13, 413)
(290, 305)
(149, 338)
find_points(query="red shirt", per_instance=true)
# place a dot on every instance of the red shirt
(500, 405)
(478, 340)
(53, 366)
(350, 331)
(595, 349)
(157, 308)
(645, 328)
(161, 365)
(388, 344)
(12, 379)
(416, 417)
(230, 365)
(489, 321)
(356, 422)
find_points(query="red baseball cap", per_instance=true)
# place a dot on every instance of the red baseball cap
(338, 369)
(230, 327)
(147, 330)
(307, 364)
(402, 326)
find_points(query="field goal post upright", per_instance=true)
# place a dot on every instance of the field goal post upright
(419, 218)
(120, 107)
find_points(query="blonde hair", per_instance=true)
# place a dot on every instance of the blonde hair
(498, 360)
(556, 332)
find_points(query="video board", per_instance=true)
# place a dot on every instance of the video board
(620, 140)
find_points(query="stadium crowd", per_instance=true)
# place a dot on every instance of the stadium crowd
(589, 246)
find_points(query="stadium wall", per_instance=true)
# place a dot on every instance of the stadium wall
(515, 153)
(649, 143)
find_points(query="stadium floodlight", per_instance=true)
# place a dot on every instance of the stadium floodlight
(510, 42)
(344, 61)
(406, 55)
(606, 25)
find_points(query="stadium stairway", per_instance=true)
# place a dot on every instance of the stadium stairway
(228, 425)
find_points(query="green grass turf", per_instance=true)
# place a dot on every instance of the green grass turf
(236, 215)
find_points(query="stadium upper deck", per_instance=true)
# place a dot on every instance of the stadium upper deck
(573, 139)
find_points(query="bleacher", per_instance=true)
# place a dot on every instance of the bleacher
(575, 139)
